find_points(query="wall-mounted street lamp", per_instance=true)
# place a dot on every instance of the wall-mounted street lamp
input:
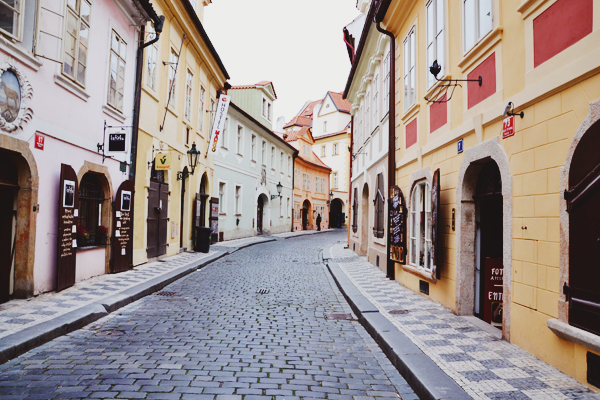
(192, 154)
(440, 94)
(353, 156)
(509, 110)
(330, 195)
(279, 188)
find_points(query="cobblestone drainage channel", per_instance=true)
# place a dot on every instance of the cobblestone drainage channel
(340, 316)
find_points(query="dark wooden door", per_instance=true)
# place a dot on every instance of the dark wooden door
(122, 242)
(304, 219)
(583, 199)
(259, 215)
(6, 239)
(182, 209)
(68, 212)
(158, 201)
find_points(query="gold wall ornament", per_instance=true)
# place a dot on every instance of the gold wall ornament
(15, 94)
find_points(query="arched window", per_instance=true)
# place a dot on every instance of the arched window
(91, 231)
(420, 226)
(378, 229)
(355, 211)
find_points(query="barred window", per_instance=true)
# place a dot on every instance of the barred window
(90, 231)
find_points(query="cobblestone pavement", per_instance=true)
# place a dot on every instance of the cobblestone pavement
(18, 315)
(483, 365)
(211, 335)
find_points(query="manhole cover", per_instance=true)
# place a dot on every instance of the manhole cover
(398, 312)
(262, 291)
(344, 317)
(109, 333)
(167, 294)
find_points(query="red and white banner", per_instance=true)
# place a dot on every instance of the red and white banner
(219, 123)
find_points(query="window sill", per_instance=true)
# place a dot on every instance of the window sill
(411, 112)
(480, 49)
(420, 272)
(574, 335)
(114, 113)
(71, 87)
(99, 246)
(20, 53)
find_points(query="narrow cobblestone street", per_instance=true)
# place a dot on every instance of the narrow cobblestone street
(252, 324)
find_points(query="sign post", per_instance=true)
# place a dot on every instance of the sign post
(219, 123)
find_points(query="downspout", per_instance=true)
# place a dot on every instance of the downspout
(391, 124)
(351, 150)
(293, 187)
(139, 67)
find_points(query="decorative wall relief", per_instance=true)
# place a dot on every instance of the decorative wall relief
(15, 94)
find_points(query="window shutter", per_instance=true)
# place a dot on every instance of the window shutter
(355, 211)
(49, 37)
(435, 209)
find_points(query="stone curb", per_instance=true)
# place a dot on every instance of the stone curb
(21, 342)
(234, 249)
(423, 375)
(311, 232)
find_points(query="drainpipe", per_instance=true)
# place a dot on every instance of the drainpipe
(379, 15)
(157, 22)
(350, 210)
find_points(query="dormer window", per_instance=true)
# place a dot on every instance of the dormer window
(266, 109)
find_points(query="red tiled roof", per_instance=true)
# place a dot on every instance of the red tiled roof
(299, 121)
(341, 103)
(308, 110)
(256, 85)
(292, 136)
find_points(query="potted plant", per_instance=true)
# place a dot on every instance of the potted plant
(83, 236)
(102, 234)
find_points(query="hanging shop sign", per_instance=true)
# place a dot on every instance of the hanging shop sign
(219, 123)
(117, 142)
(508, 127)
(68, 213)
(162, 161)
(397, 225)
(494, 290)
(122, 243)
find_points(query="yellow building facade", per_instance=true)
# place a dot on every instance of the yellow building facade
(509, 201)
(182, 73)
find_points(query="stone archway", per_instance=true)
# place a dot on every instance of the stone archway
(306, 215)
(27, 198)
(474, 160)
(335, 214)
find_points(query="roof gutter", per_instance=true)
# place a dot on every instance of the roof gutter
(379, 16)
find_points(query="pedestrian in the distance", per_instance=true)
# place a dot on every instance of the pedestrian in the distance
(318, 222)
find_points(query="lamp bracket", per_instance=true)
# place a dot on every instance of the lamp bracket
(440, 93)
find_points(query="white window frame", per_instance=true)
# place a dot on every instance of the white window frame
(239, 140)
(273, 158)
(289, 163)
(336, 149)
(238, 200)
(334, 177)
(323, 151)
(189, 85)
(266, 109)
(368, 113)
(264, 154)
(253, 148)
(281, 162)
(223, 198)
(119, 56)
(436, 42)
(420, 202)
(76, 13)
(479, 29)
(201, 108)
(324, 126)
(225, 134)
(410, 81)
(152, 59)
(386, 83)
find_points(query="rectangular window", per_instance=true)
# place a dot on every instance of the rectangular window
(435, 38)
(386, 83)
(322, 151)
(269, 111)
(187, 135)
(289, 166)
(253, 147)
(409, 70)
(304, 181)
(76, 43)
(272, 157)
(264, 108)
(189, 81)
(239, 137)
(324, 126)
(336, 149)
(263, 158)
(306, 150)
(238, 200)
(280, 207)
(367, 114)
(477, 19)
(151, 66)
(174, 58)
(360, 126)
(224, 134)
(116, 80)
(222, 193)
(281, 163)
(376, 100)
(287, 208)
(420, 226)
(201, 108)
(335, 180)
(296, 177)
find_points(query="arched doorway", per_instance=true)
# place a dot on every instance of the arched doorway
(260, 213)
(182, 208)
(489, 289)
(583, 201)
(364, 225)
(158, 216)
(203, 196)
(306, 214)
(9, 186)
(335, 214)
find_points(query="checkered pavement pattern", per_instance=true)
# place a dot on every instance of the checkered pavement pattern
(18, 315)
(483, 365)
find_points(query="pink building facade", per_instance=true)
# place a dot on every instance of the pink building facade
(67, 82)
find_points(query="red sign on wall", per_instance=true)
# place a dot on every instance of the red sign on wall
(39, 141)
(508, 127)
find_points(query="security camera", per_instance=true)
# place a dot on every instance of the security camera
(509, 107)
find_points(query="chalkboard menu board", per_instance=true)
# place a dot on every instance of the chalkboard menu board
(397, 225)
(68, 212)
(122, 240)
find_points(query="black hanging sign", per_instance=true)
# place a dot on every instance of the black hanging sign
(116, 142)
(397, 225)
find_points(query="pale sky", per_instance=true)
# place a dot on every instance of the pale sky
(296, 44)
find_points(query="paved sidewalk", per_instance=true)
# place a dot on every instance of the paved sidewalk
(25, 324)
(484, 366)
(287, 235)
